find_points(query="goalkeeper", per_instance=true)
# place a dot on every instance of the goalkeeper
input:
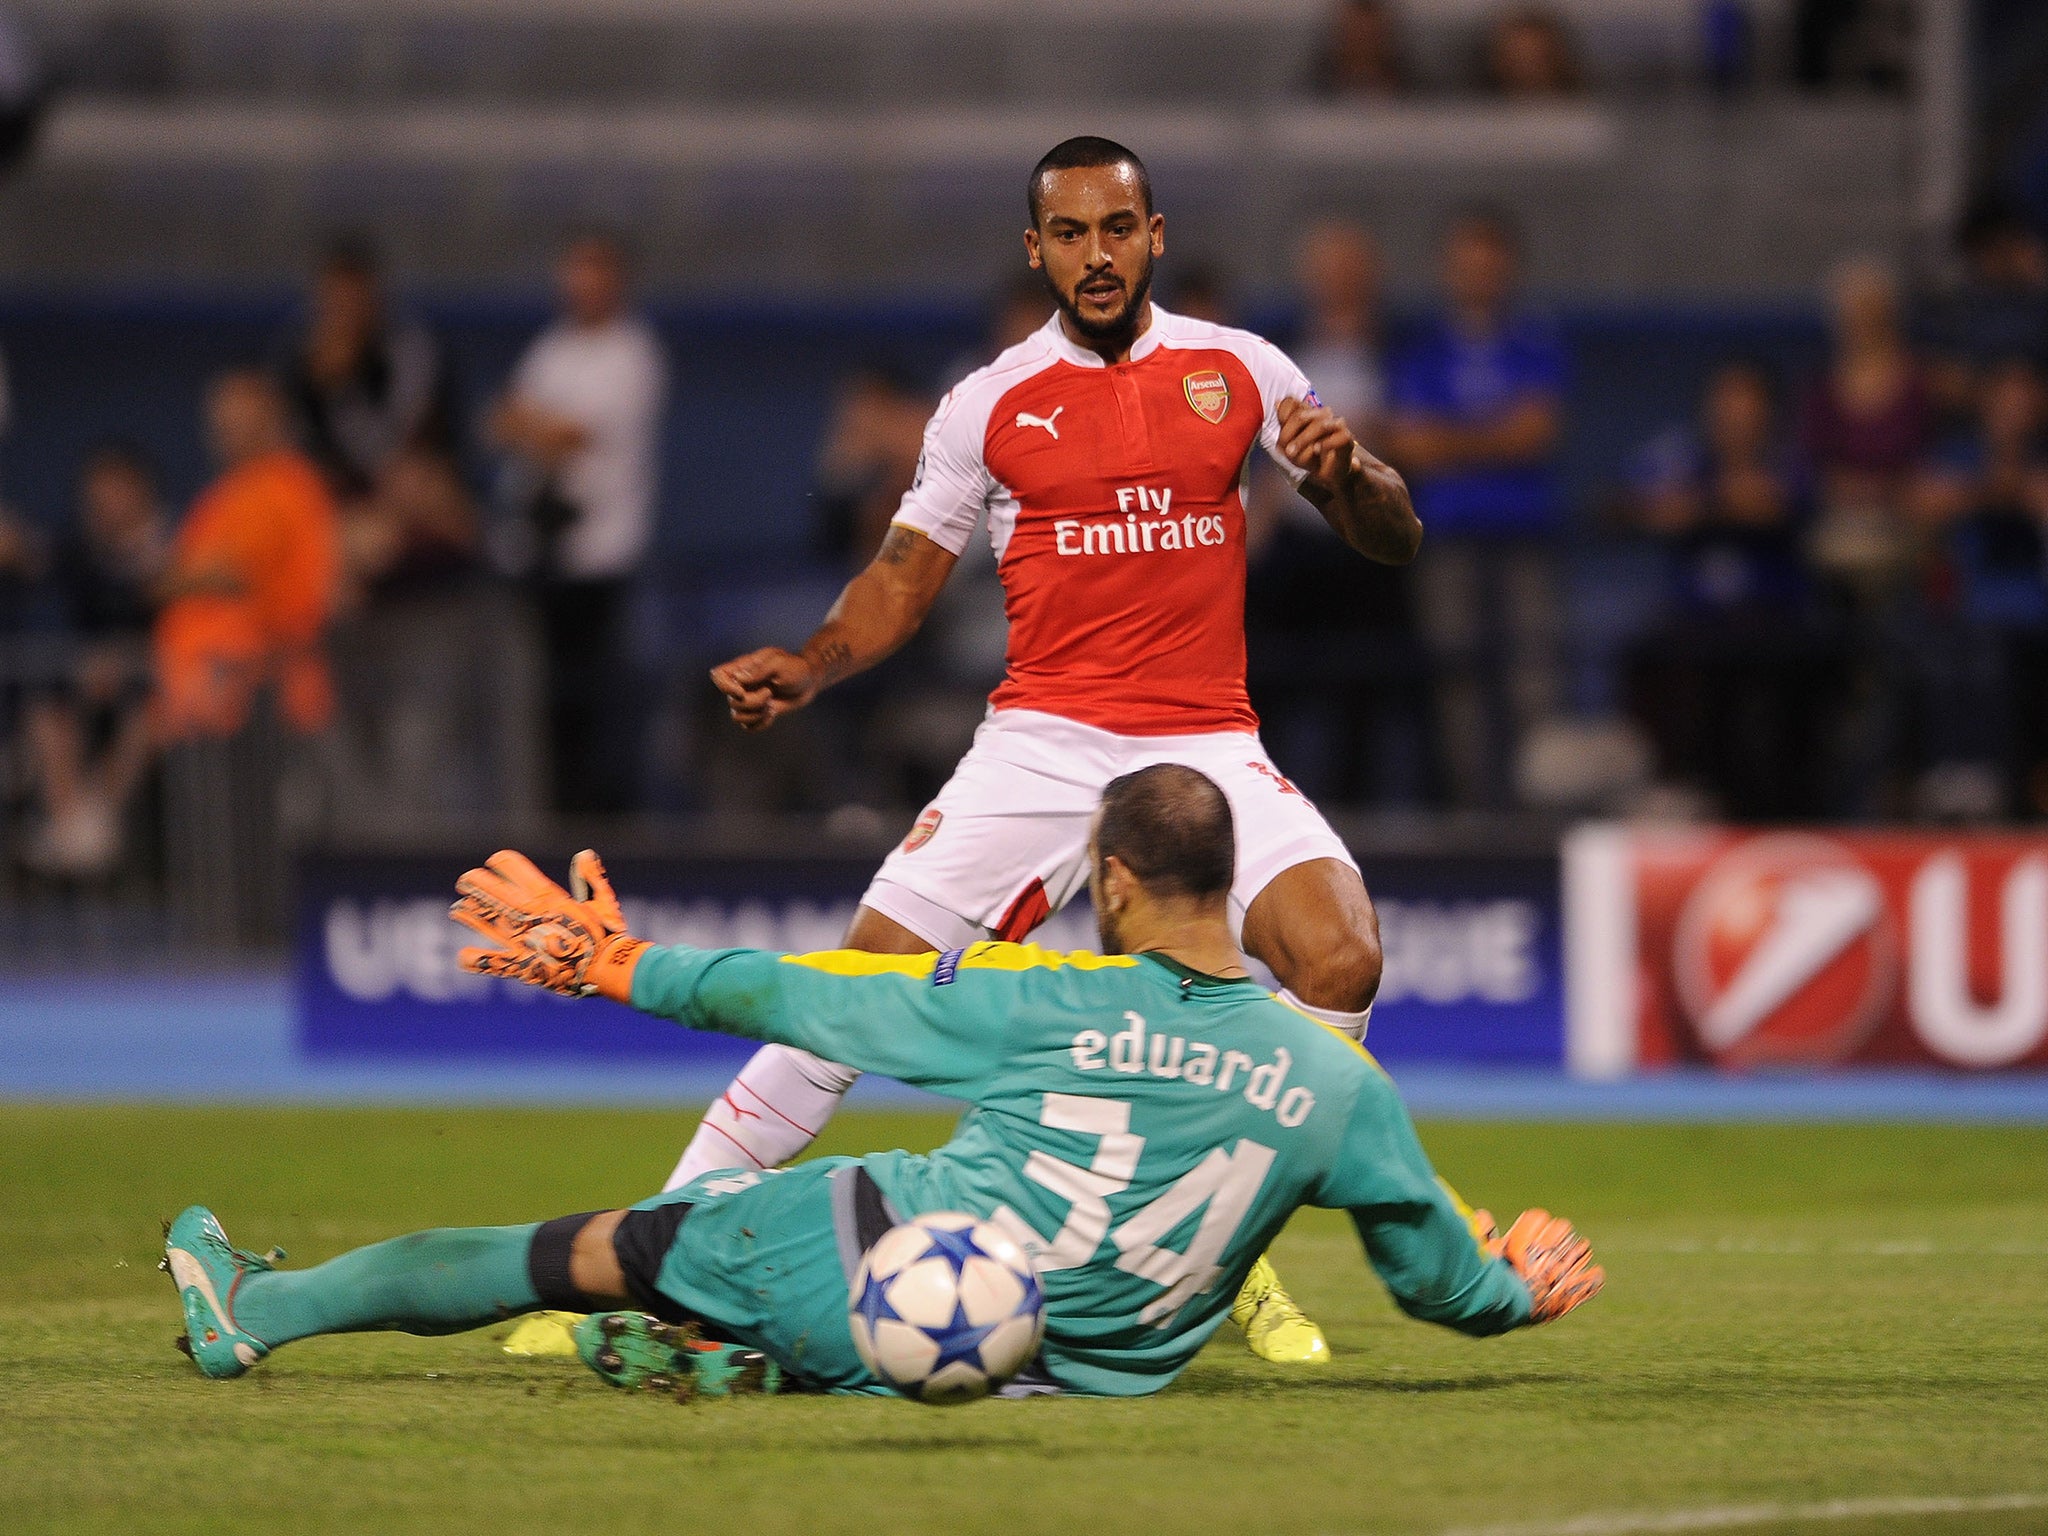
(1144, 1121)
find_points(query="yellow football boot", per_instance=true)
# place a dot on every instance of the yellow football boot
(1274, 1327)
(544, 1336)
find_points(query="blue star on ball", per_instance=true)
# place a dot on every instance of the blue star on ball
(874, 1306)
(955, 1245)
(959, 1340)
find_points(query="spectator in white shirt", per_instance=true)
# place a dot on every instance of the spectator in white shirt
(581, 422)
(1330, 636)
(1339, 273)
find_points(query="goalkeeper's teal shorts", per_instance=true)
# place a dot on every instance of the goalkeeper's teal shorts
(762, 1259)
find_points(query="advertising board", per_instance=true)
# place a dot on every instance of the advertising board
(1806, 949)
(1473, 953)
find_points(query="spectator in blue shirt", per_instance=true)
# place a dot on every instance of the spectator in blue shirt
(1476, 400)
(1736, 684)
(1477, 395)
(1977, 662)
(1726, 495)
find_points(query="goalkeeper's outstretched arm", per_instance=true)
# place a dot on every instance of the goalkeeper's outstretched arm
(879, 1013)
(1443, 1261)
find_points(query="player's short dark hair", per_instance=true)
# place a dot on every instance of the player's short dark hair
(1172, 828)
(1081, 153)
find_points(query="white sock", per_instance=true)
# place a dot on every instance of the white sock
(1352, 1024)
(773, 1110)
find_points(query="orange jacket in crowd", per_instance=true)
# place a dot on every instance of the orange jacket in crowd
(255, 574)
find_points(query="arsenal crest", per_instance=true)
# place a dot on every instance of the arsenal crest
(921, 834)
(1209, 394)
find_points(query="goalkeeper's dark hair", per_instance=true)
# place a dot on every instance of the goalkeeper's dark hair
(1082, 153)
(1172, 828)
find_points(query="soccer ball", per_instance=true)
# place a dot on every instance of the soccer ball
(946, 1308)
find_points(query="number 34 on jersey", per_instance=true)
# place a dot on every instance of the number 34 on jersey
(1223, 1186)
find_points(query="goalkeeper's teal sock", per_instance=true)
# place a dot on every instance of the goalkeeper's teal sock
(446, 1280)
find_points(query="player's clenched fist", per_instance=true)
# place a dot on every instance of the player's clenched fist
(1550, 1258)
(1315, 438)
(762, 686)
(573, 942)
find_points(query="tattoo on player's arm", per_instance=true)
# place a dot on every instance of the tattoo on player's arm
(1373, 515)
(896, 548)
(832, 656)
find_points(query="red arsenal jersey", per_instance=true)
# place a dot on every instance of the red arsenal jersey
(1115, 502)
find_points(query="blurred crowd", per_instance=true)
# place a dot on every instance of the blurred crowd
(316, 587)
(1530, 53)
(1851, 615)
(1516, 49)
(1849, 607)
(1859, 618)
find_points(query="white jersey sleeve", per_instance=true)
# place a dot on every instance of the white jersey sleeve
(952, 487)
(1278, 378)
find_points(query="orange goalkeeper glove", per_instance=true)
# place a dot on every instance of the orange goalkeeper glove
(1551, 1259)
(573, 942)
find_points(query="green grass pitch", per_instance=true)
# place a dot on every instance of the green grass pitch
(1793, 1314)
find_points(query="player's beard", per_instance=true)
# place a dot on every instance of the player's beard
(1118, 333)
(1107, 935)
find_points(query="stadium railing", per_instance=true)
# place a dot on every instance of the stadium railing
(437, 736)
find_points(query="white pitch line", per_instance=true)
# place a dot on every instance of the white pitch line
(1734, 1516)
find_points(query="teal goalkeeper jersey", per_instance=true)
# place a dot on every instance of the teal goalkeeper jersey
(1145, 1131)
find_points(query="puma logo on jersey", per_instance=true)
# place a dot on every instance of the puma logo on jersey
(1026, 419)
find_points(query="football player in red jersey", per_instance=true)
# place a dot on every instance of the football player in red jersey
(1106, 455)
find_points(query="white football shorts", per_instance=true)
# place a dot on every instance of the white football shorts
(1005, 844)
